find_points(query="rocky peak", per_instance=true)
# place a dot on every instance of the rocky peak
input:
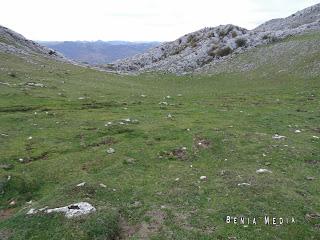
(209, 45)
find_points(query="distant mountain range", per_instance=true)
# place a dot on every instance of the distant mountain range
(99, 52)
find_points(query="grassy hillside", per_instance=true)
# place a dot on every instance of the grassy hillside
(152, 187)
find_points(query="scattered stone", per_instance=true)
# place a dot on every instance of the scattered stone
(136, 204)
(312, 216)
(32, 211)
(102, 185)
(13, 203)
(179, 95)
(163, 103)
(177, 179)
(111, 151)
(5, 83)
(310, 178)
(81, 184)
(278, 137)
(313, 162)
(130, 161)
(4, 135)
(203, 178)
(142, 95)
(297, 131)
(29, 138)
(316, 137)
(262, 170)
(244, 184)
(32, 84)
(169, 116)
(129, 120)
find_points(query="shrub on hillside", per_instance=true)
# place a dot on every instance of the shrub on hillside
(221, 52)
(241, 42)
(212, 51)
(234, 34)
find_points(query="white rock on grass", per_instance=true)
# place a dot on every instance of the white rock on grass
(203, 178)
(81, 184)
(70, 211)
(244, 184)
(278, 137)
(111, 151)
(163, 103)
(102, 185)
(263, 170)
(297, 131)
(108, 124)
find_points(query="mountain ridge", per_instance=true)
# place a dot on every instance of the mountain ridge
(208, 45)
(14, 43)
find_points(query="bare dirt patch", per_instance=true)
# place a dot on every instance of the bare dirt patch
(148, 229)
(5, 214)
(178, 153)
(312, 162)
(202, 143)
(104, 142)
(183, 221)
(145, 230)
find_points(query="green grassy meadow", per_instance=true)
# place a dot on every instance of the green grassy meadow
(152, 181)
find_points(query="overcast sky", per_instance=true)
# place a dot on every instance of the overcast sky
(136, 20)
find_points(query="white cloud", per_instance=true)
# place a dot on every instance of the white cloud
(136, 20)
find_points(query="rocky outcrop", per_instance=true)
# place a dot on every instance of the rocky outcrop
(307, 16)
(209, 45)
(70, 211)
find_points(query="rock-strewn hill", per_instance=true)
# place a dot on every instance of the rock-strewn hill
(14, 43)
(195, 50)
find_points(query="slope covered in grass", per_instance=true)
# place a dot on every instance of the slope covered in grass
(150, 188)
